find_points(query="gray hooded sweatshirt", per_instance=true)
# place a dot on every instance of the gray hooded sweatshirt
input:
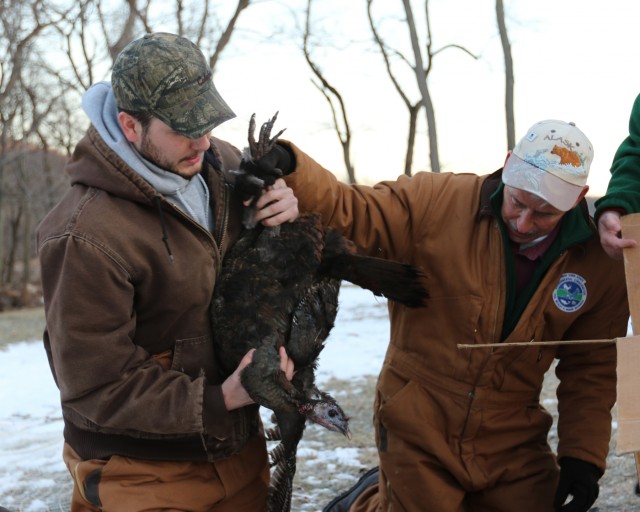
(189, 195)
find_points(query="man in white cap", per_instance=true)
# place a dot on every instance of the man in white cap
(508, 257)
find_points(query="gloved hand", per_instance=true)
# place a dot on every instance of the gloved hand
(579, 479)
(270, 167)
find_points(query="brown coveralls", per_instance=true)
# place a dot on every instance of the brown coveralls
(461, 430)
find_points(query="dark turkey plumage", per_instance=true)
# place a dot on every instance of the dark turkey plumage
(279, 287)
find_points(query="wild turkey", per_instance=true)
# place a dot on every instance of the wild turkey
(279, 287)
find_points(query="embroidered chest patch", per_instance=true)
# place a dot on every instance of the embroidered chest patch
(571, 293)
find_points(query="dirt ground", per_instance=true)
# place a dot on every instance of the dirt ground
(616, 487)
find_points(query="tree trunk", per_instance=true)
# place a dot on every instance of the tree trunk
(411, 138)
(27, 230)
(508, 73)
(421, 78)
(331, 94)
(224, 39)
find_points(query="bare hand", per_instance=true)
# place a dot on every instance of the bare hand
(277, 205)
(286, 364)
(609, 227)
(234, 393)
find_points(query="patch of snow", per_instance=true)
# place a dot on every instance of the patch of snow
(31, 466)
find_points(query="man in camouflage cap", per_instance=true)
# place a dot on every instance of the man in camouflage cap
(129, 259)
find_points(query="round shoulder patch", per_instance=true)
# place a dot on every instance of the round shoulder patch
(571, 293)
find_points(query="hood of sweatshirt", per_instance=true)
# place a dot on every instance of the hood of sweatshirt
(189, 195)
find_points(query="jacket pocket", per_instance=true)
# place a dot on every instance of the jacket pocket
(194, 356)
(447, 320)
(431, 336)
(523, 368)
(86, 475)
(401, 410)
(423, 417)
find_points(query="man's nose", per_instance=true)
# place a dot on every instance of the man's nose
(524, 223)
(201, 144)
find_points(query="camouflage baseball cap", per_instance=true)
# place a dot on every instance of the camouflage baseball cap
(168, 76)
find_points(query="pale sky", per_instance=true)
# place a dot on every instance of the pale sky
(574, 60)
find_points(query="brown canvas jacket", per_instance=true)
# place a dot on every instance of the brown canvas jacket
(128, 333)
(443, 224)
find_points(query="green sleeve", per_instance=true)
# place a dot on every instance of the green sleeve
(624, 186)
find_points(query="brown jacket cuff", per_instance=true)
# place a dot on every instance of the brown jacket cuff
(217, 420)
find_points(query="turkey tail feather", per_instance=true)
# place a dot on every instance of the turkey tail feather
(272, 434)
(399, 282)
(283, 460)
(281, 485)
(277, 455)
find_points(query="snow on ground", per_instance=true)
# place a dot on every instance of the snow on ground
(33, 477)
(31, 423)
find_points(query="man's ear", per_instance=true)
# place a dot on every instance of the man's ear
(585, 189)
(131, 127)
(506, 158)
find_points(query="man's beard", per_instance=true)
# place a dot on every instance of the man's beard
(152, 153)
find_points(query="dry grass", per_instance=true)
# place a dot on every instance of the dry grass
(21, 325)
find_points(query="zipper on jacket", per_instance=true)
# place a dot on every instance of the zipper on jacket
(221, 233)
(165, 237)
(183, 215)
(471, 395)
(501, 263)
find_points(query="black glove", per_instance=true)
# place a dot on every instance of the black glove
(276, 163)
(579, 479)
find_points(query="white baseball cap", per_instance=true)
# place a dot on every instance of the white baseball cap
(552, 162)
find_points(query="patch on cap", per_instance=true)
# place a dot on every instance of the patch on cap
(168, 76)
(552, 162)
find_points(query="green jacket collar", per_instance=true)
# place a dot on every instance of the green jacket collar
(576, 227)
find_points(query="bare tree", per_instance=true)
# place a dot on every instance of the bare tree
(331, 94)
(421, 67)
(98, 25)
(26, 99)
(40, 94)
(127, 30)
(508, 74)
(421, 78)
(224, 39)
(413, 108)
(93, 35)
